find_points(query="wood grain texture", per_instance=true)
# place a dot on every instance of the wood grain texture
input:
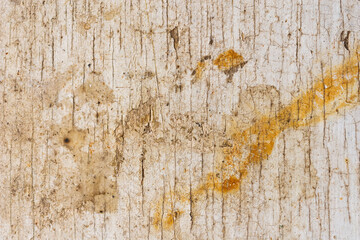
(158, 119)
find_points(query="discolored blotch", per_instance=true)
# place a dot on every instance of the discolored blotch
(199, 69)
(95, 90)
(73, 139)
(256, 101)
(16, 1)
(229, 62)
(174, 33)
(85, 23)
(109, 15)
(171, 218)
(201, 65)
(166, 217)
(92, 185)
(98, 187)
(142, 119)
(148, 74)
(52, 86)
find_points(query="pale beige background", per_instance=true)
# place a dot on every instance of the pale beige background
(116, 78)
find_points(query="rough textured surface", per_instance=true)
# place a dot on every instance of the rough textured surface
(177, 119)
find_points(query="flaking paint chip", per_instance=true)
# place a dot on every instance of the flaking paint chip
(229, 60)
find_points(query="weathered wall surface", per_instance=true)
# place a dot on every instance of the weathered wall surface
(141, 119)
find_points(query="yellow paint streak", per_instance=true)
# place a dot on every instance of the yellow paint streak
(334, 89)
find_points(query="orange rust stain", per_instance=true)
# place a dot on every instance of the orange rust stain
(334, 89)
(167, 220)
(199, 69)
(171, 218)
(228, 60)
(230, 184)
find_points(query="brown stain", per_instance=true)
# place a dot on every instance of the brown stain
(95, 184)
(335, 89)
(92, 185)
(80, 174)
(142, 119)
(73, 139)
(201, 65)
(28, 126)
(174, 34)
(345, 39)
(96, 91)
(98, 187)
(85, 23)
(111, 14)
(255, 102)
(17, 2)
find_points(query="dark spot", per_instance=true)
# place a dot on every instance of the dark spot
(345, 39)
(148, 74)
(174, 33)
(89, 65)
(99, 102)
(211, 41)
(178, 88)
(66, 140)
(207, 57)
